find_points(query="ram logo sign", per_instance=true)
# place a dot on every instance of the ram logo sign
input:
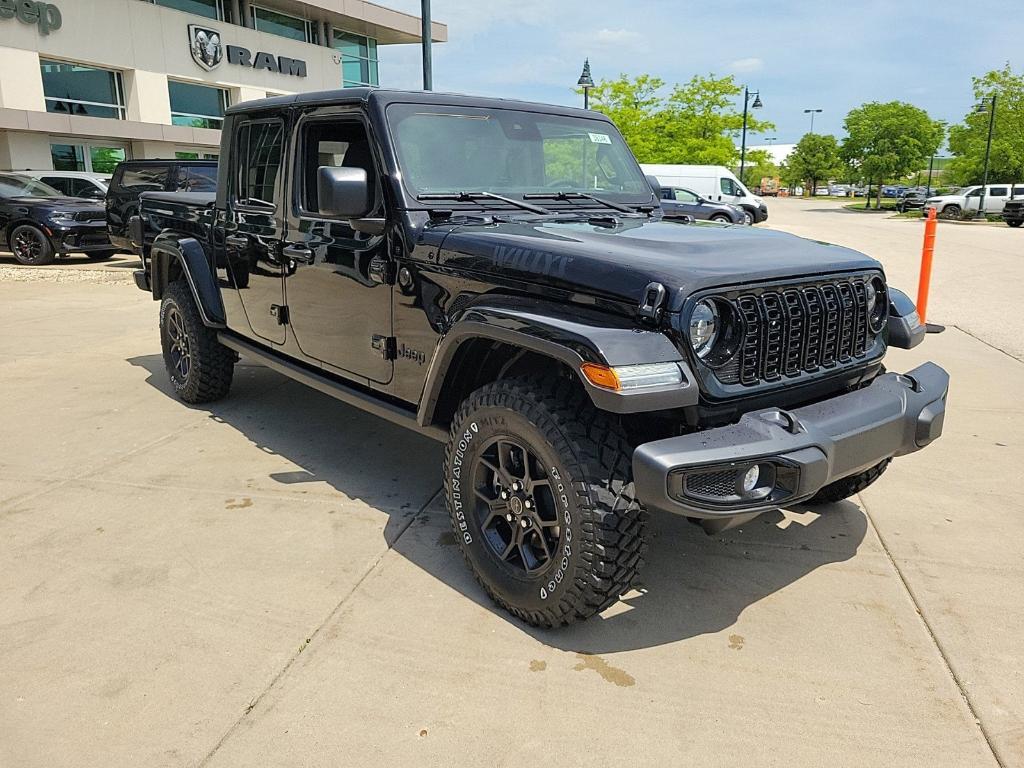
(208, 51)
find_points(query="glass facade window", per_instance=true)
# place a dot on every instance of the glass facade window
(67, 157)
(86, 157)
(197, 106)
(75, 89)
(284, 25)
(211, 9)
(358, 59)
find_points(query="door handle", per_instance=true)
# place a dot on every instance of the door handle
(237, 241)
(298, 253)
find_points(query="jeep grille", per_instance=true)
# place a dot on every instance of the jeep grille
(790, 330)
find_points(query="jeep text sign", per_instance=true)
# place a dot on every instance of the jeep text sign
(45, 16)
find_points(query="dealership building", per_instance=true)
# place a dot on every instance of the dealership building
(87, 83)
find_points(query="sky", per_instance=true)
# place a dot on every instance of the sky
(825, 54)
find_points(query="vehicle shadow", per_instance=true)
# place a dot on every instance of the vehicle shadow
(692, 584)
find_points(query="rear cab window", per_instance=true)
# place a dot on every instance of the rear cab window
(193, 178)
(137, 179)
(257, 178)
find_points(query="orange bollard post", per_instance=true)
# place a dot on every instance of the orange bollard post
(927, 251)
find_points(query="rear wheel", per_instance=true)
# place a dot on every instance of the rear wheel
(31, 246)
(539, 488)
(849, 486)
(1015, 222)
(199, 366)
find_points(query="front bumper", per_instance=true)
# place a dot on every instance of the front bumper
(80, 237)
(800, 450)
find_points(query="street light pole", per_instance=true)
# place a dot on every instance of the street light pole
(991, 106)
(931, 164)
(586, 82)
(428, 74)
(743, 146)
(812, 113)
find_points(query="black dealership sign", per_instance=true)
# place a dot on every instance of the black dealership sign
(208, 51)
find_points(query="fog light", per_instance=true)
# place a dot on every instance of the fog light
(751, 477)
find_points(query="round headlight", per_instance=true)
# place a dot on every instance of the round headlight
(703, 327)
(878, 304)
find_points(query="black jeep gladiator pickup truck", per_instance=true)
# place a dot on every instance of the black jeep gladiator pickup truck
(498, 275)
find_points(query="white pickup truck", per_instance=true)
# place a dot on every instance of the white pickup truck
(967, 200)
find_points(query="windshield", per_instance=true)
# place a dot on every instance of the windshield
(23, 186)
(512, 153)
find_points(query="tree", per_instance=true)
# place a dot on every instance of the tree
(888, 141)
(967, 141)
(696, 122)
(815, 158)
(760, 166)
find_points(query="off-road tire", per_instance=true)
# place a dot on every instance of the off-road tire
(849, 486)
(588, 463)
(101, 255)
(31, 246)
(211, 365)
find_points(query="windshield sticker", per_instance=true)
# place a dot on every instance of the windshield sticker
(600, 138)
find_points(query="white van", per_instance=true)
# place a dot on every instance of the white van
(712, 182)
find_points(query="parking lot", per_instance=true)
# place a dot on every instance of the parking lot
(272, 581)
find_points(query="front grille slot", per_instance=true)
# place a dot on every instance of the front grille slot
(90, 216)
(797, 329)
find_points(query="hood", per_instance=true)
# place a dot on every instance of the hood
(619, 263)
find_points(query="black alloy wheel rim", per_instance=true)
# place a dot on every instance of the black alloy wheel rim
(180, 349)
(515, 506)
(28, 245)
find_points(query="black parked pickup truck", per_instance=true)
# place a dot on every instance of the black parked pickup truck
(498, 275)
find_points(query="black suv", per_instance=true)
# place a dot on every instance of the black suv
(133, 177)
(498, 275)
(38, 223)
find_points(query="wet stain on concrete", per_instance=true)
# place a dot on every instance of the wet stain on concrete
(423, 732)
(538, 666)
(611, 674)
(241, 503)
(736, 642)
(446, 539)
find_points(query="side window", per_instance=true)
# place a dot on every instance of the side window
(146, 178)
(60, 183)
(1018, 191)
(999, 191)
(259, 151)
(197, 179)
(338, 145)
(666, 194)
(976, 192)
(685, 196)
(728, 187)
(85, 188)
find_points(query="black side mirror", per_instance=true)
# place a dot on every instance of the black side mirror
(655, 186)
(343, 193)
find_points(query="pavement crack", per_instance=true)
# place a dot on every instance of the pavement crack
(988, 343)
(255, 700)
(933, 636)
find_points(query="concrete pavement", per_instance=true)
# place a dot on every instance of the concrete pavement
(272, 581)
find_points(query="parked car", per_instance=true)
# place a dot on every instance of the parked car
(715, 183)
(966, 201)
(74, 183)
(38, 223)
(821, 191)
(428, 258)
(911, 200)
(133, 177)
(678, 202)
(1013, 212)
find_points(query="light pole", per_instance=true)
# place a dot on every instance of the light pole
(428, 74)
(812, 113)
(987, 104)
(586, 82)
(756, 105)
(770, 139)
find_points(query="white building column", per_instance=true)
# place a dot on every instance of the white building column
(146, 97)
(25, 89)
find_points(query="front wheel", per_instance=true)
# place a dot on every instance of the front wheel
(748, 218)
(539, 489)
(951, 212)
(721, 219)
(846, 487)
(1015, 222)
(199, 366)
(31, 246)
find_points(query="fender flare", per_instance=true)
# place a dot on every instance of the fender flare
(904, 327)
(570, 336)
(202, 281)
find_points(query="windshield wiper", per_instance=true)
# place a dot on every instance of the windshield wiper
(577, 196)
(468, 197)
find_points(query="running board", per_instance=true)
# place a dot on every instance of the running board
(334, 388)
